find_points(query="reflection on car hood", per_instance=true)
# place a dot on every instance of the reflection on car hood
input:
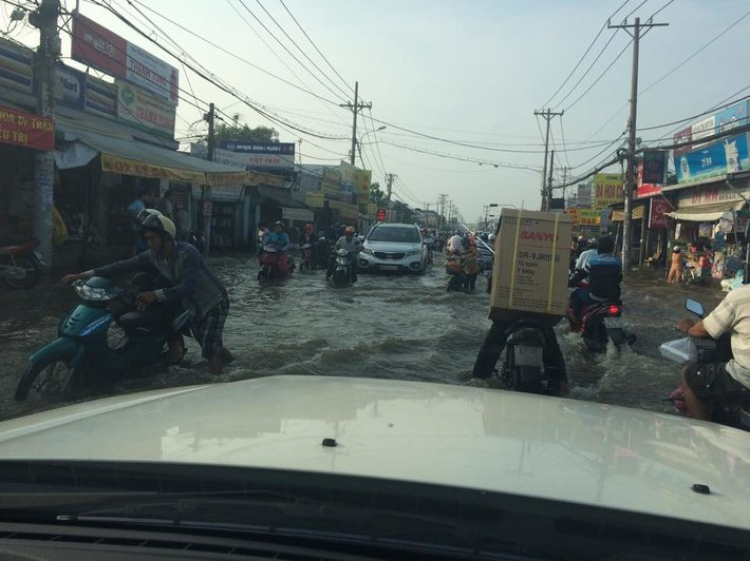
(458, 436)
(402, 247)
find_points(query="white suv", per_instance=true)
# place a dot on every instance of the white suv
(394, 247)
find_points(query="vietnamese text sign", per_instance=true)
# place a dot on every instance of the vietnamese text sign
(589, 216)
(26, 129)
(227, 158)
(584, 196)
(607, 189)
(702, 129)
(348, 177)
(659, 209)
(96, 46)
(653, 168)
(136, 106)
(277, 155)
(682, 141)
(710, 195)
(574, 214)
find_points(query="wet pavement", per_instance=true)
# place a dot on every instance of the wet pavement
(396, 327)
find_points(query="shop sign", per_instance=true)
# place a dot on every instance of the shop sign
(100, 98)
(619, 215)
(605, 219)
(584, 196)
(731, 117)
(653, 167)
(348, 175)
(702, 129)
(608, 189)
(381, 215)
(16, 63)
(138, 107)
(659, 209)
(95, 45)
(231, 193)
(589, 217)
(26, 129)
(709, 195)
(372, 209)
(574, 214)
(277, 155)
(314, 200)
(70, 87)
(126, 166)
(330, 183)
(728, 155)
(682, 140)
(363, 182)
(227, 158)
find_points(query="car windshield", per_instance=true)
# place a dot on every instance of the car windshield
(406, 235)
(381, 240)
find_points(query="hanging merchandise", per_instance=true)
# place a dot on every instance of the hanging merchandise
(704, 229)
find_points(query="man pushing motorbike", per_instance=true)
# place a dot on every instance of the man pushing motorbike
(727, 383)
(192, 283)
(351, 244)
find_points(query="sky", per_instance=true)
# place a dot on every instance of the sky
(470, 72)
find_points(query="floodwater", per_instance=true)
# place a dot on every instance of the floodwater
(395, 327)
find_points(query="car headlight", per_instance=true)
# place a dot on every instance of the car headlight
(412, 253)
(367, 251)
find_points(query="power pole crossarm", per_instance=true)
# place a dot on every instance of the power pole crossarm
(356, 107)
(636, 31)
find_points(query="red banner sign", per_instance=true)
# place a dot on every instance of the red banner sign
(659, 209)
(26, 129)
(381, 215)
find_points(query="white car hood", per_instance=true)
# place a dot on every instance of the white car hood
(458, 436)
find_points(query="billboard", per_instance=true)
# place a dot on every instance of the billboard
(268, 155)
(95, 45)
(608, 189)
(659, 209)
(702, 129)
(584, 196)
(728, 155)
(653, 167)
(589, 216)
(731, 117)
(682, 141)
(138, 107)
(101, 97)
(16, 67)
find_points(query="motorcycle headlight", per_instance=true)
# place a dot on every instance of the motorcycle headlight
(92, 294)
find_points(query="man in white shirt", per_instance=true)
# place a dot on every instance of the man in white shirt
(586, 256)
(725, 383)
(456, 243)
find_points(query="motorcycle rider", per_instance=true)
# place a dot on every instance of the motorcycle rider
(308, 237)
(279, 240)
(497, 337)
(587, 255)
(721, 383)
(351, 244)
(192, 282)
(604, 274)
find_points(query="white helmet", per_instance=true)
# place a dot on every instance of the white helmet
(145, 213)
(492, 238)
(160, 224)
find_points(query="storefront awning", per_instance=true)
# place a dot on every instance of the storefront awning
(129, 157)
(706, 213)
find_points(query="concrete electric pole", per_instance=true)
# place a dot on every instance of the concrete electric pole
(549, 181)
(548, 114)
(45, 18)
(389, 177)
(355, 109)
(630, 179)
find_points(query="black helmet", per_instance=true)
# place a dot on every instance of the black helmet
(605, 244)
(158, 224)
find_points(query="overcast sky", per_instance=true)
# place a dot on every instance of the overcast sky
(472, 72)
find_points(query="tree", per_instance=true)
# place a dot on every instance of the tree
(245, 133)
(403, 212)
(376, 195)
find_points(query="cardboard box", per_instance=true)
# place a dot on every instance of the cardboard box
(532, 256)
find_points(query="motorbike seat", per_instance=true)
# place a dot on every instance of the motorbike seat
(135, 320)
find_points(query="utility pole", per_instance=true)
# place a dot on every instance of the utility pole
(548, 114)
(45, 18)
(207, 205)
(565, 181)
(630, 180)
(355, 109)
(210, 118)
(441, 205)
(549, 181)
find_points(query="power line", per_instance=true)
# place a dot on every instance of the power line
(283, 46)
(583, 56)
(638, 7)
(314, 45)
(562, 137)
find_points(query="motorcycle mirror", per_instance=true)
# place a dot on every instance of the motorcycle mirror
(695, 307)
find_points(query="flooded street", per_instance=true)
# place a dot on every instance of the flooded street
(396, 327)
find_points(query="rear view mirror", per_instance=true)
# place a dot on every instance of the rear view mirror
(695, 307)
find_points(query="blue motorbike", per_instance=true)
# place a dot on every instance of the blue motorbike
(81, 355)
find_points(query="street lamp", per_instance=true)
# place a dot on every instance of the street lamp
(359, 142)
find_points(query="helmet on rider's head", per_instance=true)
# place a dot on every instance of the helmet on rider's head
(605, 244)
(278, 223)
(160, 225)
(592, 243)
(677, 249)
(491, 238)
(349, 229)
(145, 213)
(485, 237)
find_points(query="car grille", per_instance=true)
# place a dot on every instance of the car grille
(384, 255)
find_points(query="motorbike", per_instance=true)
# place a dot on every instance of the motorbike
(694, 349)
(343, 273)
(325, 248)
(456, 276)
(272, 264)
(81, 357)
(306, 263)
(524, 367)
(600, 323)
(20, 265)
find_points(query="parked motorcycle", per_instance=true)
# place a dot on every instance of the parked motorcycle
(694, 349)
(306, 264)
(524, 367)
(272, 264)
(20, 265)
(343, 273)
(81, 356)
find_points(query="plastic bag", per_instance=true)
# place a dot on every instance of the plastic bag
(680, 351)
